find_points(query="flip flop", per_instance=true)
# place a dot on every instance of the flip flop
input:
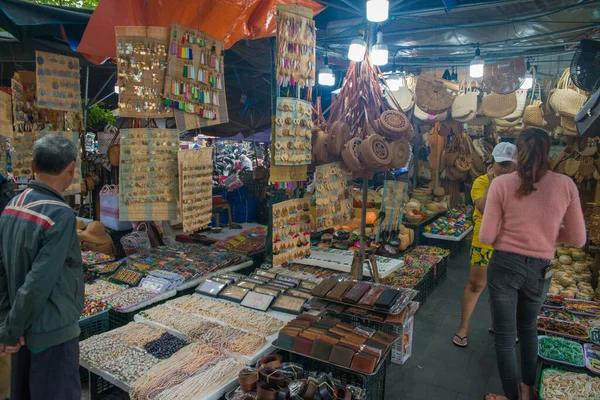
(460, 339)
(494, 396)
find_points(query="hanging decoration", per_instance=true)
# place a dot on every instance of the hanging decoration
(6, 122)
(333, 198)
(58, 81)
(18, 108)
(291, 230)
(75, 186)
(148, 189)
(195, 188)
(296, 40)
(141, 65)
(392, 207)
(195, 81)
(293, 124)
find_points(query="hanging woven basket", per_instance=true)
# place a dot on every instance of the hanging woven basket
(339, 135)
(374, 152)
(350, 154)
(393, 124)
(504, 77)
(431, 96)
(400, 153)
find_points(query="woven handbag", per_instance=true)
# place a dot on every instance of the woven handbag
(405, 98)
(105, 138)
(114, 150)
(496, 105)
(504, 77)
(522, 99)
(534, 113)
(431, 96)
(426, 117)
(565, 101)
(464, 107)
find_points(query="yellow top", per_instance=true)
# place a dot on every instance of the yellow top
(478, 190)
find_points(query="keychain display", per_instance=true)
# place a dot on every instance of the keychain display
(195, 188)
(392, 207)
(6, 122)
(333, 185)
(141, 66)
(148, 189)
(18, 107)
(296, 40)
(293, 124)
(58, 81)
(291, 230)
(195, 77)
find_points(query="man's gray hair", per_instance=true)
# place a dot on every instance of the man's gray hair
(52, 154)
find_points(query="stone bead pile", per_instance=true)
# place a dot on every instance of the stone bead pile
(235, 316)
(165, 346)
(131, 297)
(102, 289)
(196, 328)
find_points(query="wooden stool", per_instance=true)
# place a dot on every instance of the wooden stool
(218, 209)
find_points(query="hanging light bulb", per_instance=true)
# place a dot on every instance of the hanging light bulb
(357, 50)
(378, 10)
(476, 67)
(379, 51)
(117, 86)
(326, 76)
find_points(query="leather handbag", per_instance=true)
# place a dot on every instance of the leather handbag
(587, 119)
(497, 105)
(565, 101)
(534, 113)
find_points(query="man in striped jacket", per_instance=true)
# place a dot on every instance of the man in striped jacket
(41, 279)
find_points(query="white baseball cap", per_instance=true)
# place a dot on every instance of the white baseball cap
(505, 152)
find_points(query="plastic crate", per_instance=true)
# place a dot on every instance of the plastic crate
(373, 386)
(451, 245)
(93, 325)
(441, 271)
(102, 389)
(429, 281)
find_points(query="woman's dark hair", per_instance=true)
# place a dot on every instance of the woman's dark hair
(533, 159)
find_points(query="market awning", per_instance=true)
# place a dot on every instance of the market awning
(26, 20)
(225, 20)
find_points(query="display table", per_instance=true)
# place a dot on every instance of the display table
(189, 287)
(453, 243)
(341, 260)
(418, 227)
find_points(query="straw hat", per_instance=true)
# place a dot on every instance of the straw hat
(95, 238)
(80, 225)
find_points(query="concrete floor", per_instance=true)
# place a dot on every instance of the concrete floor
(438, 369)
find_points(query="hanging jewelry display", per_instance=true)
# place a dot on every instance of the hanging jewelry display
(333, 197)
(195, 188)
(195, 81)
(142, 65)
(6, 122)
(392, 206)
(18, 108)
(296, 39)
(3, 158)
(148, 185)
(75, 186)
(293, 123)
(20, 156)
(58, 81)
(291, 230)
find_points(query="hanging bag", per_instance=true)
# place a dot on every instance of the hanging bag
(464, 107)
(105, 138)
(565, 101)
(496, 105)
(522, 97)
(588, 118)
(432, 96)
(534, 113)
(109, 209)
(114, 150)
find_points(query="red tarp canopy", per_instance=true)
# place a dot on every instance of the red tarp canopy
(226, 20)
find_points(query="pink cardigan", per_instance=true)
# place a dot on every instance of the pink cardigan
(532, 225)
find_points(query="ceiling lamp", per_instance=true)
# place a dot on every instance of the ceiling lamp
(476, 67)
(528, 82)
(379, 51)
(378, 10)
(326, 76)
(393, 81)
(357, 50)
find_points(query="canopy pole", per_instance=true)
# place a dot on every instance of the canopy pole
(87, 86)
(274, 93)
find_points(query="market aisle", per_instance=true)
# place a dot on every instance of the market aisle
(438, 369)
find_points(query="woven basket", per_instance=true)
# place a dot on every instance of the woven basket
(400, 153)
(405, 98)
(564, 101)
(320, 147)
(374, 152)
(393, 124)
(504, 77)
(569, 125)
(464, 107)
(350, 154)
(339, 135)
(431, 96)
(497, 105)
(534, 115)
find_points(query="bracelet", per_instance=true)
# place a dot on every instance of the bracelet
(272, 361)
(266, 392)
(247, 380)
(311, 390)
(292, 371)
(272, 376)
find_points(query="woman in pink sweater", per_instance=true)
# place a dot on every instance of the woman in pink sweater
(526, 213)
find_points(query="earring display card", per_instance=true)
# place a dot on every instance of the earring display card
(333, 197)
(392, 206)
(18, 108)
(141, 66)
(296, 39)
(58, 81)
(3, 159)
(195, 80)
(75, 186)
(257, 301)
(291, 230)
(20, 156)
(6, 122)
(148, 185)
(195, 188)
(293, 122)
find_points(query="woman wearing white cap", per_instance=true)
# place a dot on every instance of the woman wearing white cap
(504, 163)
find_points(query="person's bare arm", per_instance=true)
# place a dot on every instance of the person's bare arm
(480, 202)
